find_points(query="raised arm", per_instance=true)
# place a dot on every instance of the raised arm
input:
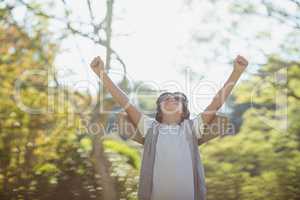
(134, 114)
(240, 64)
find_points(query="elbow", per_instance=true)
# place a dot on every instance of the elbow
(208, 118)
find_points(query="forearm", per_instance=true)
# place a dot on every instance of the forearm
(114, 90)
(222, 95)
(120, 97)
(224, 92)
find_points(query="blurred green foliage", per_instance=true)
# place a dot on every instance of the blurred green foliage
(262, 160)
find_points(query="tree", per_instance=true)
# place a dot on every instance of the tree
(262, 160)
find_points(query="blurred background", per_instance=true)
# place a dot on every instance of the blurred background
(58, 133)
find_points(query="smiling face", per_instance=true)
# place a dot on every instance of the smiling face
(172, 105)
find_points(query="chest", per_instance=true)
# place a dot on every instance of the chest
(172, 146)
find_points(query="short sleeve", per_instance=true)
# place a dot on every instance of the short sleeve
(145, 123)
(198, 125)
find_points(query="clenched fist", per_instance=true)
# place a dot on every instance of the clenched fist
(97, 65)
(240, 63)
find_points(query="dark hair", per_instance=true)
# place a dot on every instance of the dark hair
(186, 112)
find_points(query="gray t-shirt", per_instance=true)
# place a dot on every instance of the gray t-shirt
(173, 173)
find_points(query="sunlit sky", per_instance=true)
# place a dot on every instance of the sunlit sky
(154, 38)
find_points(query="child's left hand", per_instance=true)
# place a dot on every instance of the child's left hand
(240, 63)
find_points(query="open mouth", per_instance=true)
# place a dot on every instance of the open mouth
(173, 102)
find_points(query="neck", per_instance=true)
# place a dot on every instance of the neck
(171, 119)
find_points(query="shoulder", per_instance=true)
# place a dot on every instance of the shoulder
(148, 120)
(145, 123)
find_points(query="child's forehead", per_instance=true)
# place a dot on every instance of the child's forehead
(166, 94)
(172, 93)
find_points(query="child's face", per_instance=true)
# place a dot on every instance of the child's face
(171, 105)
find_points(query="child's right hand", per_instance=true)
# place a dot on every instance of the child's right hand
(97, 65)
